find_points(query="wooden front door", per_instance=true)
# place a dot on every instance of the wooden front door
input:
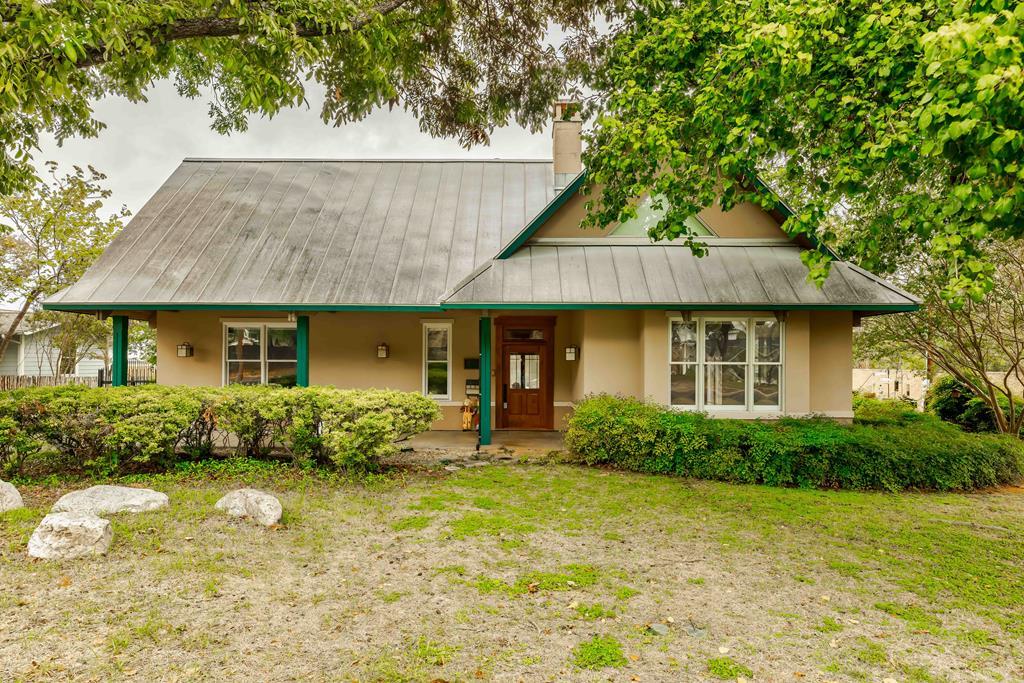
(526, 372)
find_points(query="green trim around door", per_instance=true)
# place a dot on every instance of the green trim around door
(119, 353)
(485, 381)
(302, 351)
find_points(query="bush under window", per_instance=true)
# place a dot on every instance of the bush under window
(892, 448)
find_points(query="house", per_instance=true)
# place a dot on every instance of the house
(457, 278)
(32, 353)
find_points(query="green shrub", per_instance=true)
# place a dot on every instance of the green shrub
(953, 402)
(887, 448)
(109, 430)
(876, 411)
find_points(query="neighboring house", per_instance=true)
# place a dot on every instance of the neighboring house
(890, 383)
(30, 352)
(432, 275)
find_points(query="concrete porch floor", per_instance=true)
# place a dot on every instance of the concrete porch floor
(504, 440)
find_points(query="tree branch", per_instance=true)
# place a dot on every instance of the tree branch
(231, 27)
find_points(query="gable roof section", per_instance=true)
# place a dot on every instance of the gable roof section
(295, 235)
(783, 211)
(735, 274)
(308, 233)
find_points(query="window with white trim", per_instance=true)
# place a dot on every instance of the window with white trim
(722, 364)
(437, 360)
(260, 353)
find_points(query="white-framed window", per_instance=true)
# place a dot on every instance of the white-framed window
(726, 364)
(437, 360)
(260, 353)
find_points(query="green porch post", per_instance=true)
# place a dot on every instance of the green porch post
(485, 381)
(119, 359)
(302, 351)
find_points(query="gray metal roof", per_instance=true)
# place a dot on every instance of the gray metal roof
(383, 233)
(755, 273)
(420, 234)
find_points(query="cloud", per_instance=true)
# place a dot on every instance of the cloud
(144, 142)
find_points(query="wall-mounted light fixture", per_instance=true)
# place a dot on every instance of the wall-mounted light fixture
(185, 350)
(572, 352)
(383, 351)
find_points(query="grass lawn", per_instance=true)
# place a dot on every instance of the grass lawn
(525, 573)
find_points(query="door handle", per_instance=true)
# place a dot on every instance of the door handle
(504, 396)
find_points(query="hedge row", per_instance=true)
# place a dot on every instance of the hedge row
(112, 430)
(889, 447)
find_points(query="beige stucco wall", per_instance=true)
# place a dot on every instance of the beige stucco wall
(342, 351)
(831, 363)
(628, 353)
(621, 352)
(746, 220)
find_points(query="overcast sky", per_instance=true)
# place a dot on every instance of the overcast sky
(143, 143)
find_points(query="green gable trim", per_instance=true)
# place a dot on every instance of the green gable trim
(572, 188)
(542, 218)
(787, 213)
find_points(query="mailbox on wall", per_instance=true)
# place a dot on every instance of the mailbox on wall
(472, 387)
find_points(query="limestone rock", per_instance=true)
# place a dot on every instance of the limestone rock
(261, 507)
(67, 535)
(10, 499)
(106, 500)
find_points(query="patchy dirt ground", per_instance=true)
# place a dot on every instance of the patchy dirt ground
(508, 572)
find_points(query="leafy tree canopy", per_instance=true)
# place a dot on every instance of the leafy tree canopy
(461, 67)
(49, 235)
(900, 120)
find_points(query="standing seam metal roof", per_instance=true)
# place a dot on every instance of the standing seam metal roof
(419, 234)
(312, 232)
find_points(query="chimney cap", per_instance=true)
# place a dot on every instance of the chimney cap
(566, 110)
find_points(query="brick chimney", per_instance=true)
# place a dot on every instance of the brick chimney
(566, 144)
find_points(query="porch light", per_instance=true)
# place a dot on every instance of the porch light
(185, 350)
(572, 352)
(383, 351)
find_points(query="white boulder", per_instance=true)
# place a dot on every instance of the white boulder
(67, 535)
(10, 499)
(106, 500)
(259, 506)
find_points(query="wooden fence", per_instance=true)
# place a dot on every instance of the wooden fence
(10, 382)
(139, 372)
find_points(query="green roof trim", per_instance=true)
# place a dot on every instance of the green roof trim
(241, 307)
(787, 212)
(479, 305)
(540, 219)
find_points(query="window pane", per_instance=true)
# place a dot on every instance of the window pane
(684, 385)
(725, 341)
(767, 341)
(531, 371)
(280, 373)
(684, 342)
(437, 379)
(281, 344)
(244, 372)
(766, 385)
(518, 335)
(515, 371)
(724, 385)
(437, 343)
(244, 343)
